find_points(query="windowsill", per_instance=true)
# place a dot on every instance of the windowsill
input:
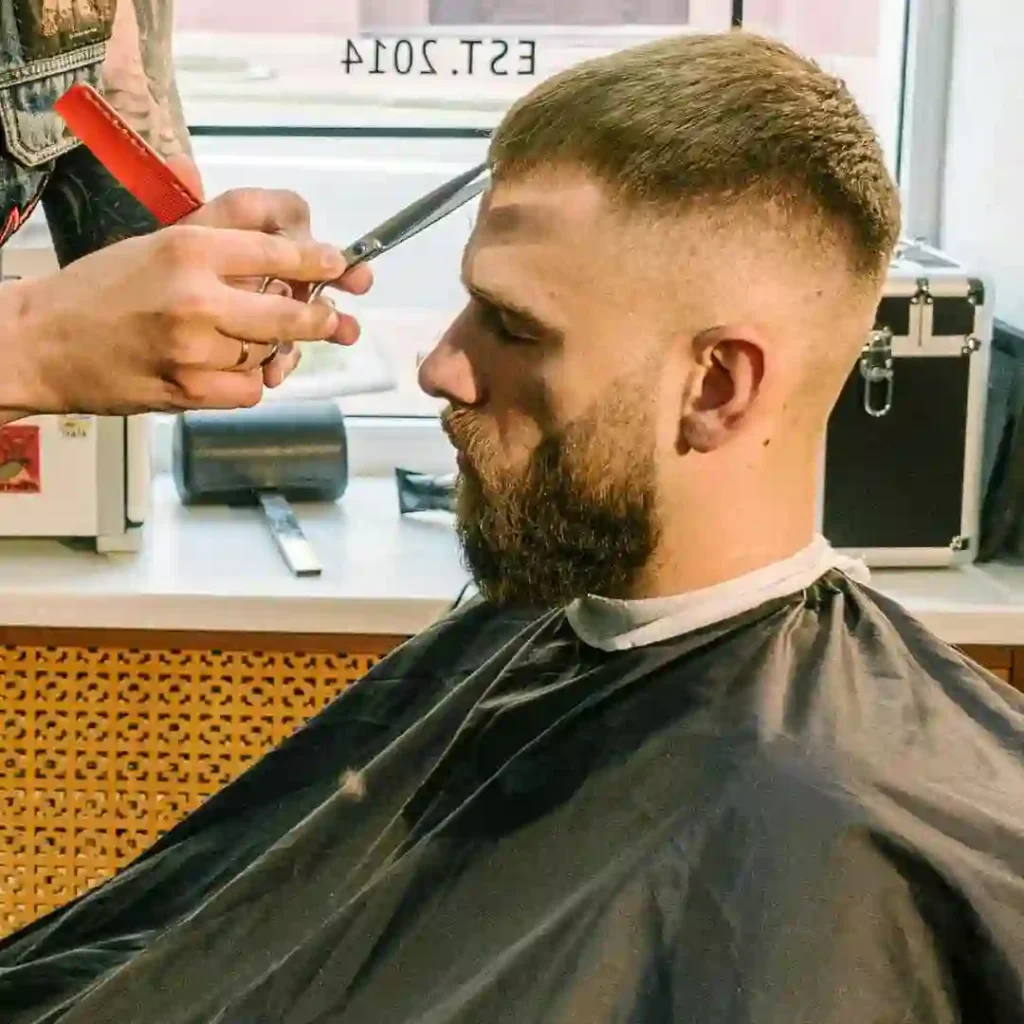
(217, 569)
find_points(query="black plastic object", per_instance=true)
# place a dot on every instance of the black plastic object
(296, 449)
(423, 492)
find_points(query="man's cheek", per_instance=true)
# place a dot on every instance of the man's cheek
(511, 462)
(516, 437)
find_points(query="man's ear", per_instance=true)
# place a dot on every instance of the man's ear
(731, 367)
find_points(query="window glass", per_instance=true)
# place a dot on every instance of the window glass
(362, 105)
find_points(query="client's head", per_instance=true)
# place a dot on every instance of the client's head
(676, 265)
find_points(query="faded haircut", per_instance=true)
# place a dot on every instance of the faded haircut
(699, 120)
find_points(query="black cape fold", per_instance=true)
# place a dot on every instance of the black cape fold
(813, 812)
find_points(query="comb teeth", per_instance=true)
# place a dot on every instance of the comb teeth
(132, 163)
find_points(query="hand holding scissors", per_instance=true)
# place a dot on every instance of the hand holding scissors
(145, 175)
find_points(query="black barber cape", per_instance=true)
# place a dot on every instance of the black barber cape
(810, 814)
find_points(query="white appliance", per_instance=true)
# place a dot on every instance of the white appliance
(83, 478)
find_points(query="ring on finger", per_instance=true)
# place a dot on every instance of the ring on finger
(243, 354)
(269, 357)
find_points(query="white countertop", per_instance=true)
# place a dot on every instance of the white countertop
(218, 569)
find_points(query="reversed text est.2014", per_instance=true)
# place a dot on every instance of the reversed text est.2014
(427, 56)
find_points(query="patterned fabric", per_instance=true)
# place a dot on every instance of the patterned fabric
(45, 47)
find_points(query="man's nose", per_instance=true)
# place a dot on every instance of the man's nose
(447, 373)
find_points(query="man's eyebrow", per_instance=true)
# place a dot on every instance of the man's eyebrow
(527, 317)
(521, 222)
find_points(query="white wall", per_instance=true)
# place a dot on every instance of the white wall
(983, 197)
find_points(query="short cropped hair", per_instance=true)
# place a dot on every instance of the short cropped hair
(717, 119)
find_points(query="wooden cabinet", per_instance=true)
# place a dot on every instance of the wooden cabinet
(999, 661)
(109, 739)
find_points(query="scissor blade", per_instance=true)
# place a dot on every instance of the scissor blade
(420, 214)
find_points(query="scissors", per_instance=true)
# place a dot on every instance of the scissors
(427, 210)
(400, 227)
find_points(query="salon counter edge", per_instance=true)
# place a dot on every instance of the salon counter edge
(217, 571)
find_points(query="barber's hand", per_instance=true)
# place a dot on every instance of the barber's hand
(286, 214)
(287, 356)
(161, 322)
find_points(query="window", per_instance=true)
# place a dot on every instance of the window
(361, 105)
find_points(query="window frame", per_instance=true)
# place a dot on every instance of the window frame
(924, 115)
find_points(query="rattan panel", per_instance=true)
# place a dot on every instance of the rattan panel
(101, 750)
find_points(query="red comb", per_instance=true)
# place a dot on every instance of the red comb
(124, 153)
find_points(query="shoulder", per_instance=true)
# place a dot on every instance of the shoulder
(888, 718)
(868, 678)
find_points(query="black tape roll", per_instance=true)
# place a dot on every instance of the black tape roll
(297, 449)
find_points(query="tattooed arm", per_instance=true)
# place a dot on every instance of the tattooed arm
(85, 207)
(138, 76)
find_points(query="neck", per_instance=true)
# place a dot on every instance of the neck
(713, 531)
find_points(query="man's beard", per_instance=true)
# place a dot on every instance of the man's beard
(578, 519)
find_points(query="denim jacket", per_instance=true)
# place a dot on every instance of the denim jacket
(45, 47)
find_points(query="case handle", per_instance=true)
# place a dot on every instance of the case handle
(876, 367)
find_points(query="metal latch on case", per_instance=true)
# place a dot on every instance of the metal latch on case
(876, 369)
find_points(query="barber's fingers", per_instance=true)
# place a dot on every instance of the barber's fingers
(234, 253)
(270, 318)
(271, 211)
(261, 284)
(356, 281)
(273, 318)
(239, 254)
(231, 253)
(213, 351)
(224, 389)
(348, 329)
(282, 365)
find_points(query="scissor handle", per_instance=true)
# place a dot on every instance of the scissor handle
(314, 293)
(364, 249)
